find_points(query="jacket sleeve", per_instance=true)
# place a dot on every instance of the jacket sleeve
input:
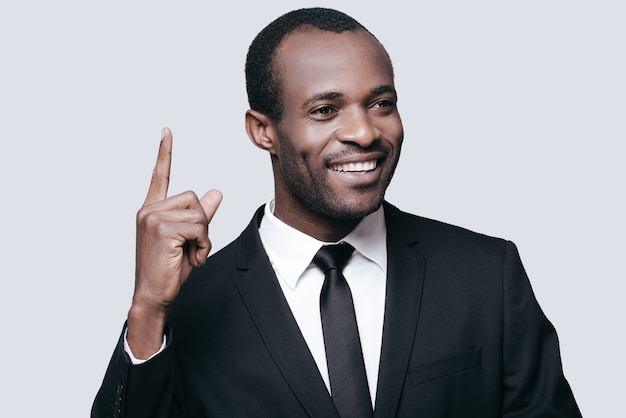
(533, 380)
(135, 391)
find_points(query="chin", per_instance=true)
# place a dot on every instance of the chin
(349, 210)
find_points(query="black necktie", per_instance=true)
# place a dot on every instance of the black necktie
(348, 381)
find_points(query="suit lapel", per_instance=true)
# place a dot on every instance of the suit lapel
(266, 303)
(405, 277)
(268, 308)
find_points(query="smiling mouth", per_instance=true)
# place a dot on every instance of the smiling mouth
(354, 167)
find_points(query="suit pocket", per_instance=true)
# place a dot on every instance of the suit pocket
(445, 367)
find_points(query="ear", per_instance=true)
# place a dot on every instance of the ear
(262, 131)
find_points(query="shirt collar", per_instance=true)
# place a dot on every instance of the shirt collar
(290, 261)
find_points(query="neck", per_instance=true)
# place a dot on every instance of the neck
(314, 224)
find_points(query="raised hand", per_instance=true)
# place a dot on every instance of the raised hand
(172, 239)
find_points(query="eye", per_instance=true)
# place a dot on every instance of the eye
(384, 103)
(322, 112)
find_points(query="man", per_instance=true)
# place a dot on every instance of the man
(445, 321)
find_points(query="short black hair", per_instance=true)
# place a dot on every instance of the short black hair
(262, 83)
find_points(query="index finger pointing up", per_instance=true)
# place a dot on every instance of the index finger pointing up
(161, 174)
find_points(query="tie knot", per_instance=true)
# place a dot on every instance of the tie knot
(333, 256)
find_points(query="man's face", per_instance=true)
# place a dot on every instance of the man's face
(340, 133)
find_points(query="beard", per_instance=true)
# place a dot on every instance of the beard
(307, 181)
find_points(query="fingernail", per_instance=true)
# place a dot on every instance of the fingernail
(162, 133)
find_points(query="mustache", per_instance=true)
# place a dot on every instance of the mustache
(350, 149)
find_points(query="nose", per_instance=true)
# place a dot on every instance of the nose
(357, 127)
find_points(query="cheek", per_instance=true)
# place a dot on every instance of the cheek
(306, 144)
(292, 158)
(394, 130)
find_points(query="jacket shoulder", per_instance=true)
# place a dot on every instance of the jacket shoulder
(432, 229)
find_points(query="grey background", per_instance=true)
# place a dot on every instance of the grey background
(514, 119)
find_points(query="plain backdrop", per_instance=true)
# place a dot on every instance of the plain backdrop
(514, 116)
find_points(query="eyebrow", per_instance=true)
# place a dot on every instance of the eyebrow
(322, 96)
(383, 89)
(330, 95)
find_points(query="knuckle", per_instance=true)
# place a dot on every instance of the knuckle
(141, 214)
(161, 228)
(152, 221)
(198, 217)
(189, 196)
(200, 232)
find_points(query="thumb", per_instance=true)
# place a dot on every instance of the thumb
(210, 202)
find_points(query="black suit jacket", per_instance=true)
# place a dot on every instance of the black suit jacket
(463, 337)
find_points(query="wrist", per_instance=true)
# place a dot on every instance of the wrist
(145, 330)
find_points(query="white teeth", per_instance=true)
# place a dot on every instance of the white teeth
(355, 167)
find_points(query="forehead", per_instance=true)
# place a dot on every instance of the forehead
(310, 61)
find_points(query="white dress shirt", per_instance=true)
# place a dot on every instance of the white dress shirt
(291, 251)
